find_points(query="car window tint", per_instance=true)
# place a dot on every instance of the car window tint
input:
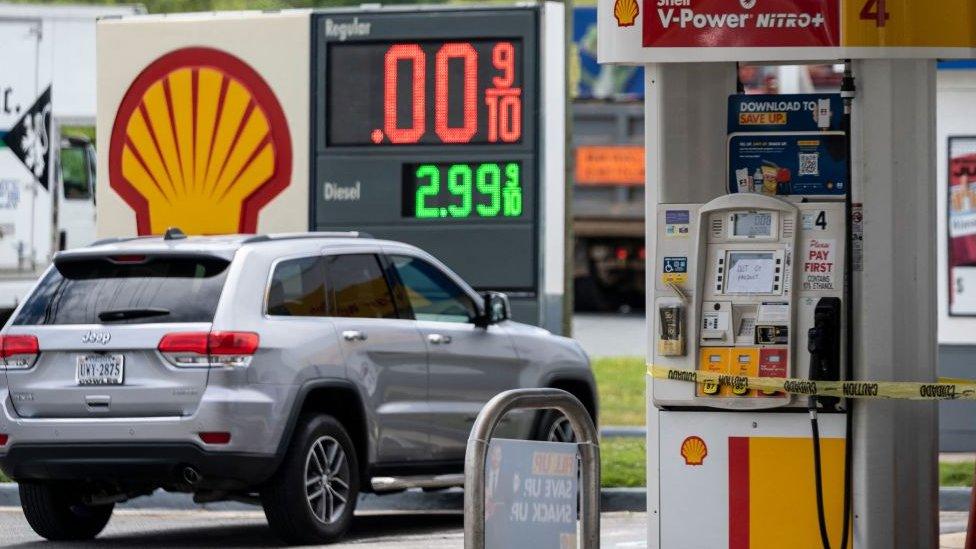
(297, 288)
(178, 289)
(432, 293)
(358, 287)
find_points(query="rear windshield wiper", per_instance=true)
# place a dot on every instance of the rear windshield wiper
(127, 314)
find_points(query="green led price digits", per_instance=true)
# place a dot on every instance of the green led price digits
(487, 190)
(459, 183)
(432, 188)
(513, 191)
(490, 185)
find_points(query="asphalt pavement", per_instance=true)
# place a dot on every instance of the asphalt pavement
(379, 530)
(246, 529)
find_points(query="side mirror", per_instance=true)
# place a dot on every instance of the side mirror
(496, 309)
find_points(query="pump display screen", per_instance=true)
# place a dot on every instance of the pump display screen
(750, 273)
(752, 224)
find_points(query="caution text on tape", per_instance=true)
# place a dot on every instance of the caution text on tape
(903, 390)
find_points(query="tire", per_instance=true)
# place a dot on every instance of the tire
(56, 512)
(303, 506)
(553, 426)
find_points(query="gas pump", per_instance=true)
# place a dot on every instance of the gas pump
(752, 306)
(729, 466)
(749, 313)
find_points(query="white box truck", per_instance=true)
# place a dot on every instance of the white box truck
(47, 82)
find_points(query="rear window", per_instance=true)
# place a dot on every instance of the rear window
(297, 288)
(128, 290)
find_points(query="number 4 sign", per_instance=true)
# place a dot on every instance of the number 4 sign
(875, 10)
(894, 23)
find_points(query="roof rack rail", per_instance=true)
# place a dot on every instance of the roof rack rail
(300, 236)
(117, 239)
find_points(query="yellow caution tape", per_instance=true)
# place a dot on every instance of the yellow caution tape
(947, 389)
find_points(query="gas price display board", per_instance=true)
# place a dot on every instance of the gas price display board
(427, 131)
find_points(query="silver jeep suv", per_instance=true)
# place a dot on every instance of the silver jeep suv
(292, 371)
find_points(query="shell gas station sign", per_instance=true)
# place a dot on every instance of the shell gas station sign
(203, 127)
(649, 31)
(199, 141)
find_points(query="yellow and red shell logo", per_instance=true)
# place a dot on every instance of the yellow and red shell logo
(199, 142)
(694, 450)
(626, 12)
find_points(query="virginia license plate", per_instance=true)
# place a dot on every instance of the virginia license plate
(100, 370)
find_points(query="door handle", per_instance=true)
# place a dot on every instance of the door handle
(439, 339)
(354, 335)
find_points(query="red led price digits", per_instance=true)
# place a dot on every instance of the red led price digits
(397, 53)
(504, 101)
(461, 50)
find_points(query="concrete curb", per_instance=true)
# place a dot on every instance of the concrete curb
(954, 499)
(623, 431)
(612, 499)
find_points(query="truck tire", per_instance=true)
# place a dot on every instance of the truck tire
(312, 497)
(57, 513)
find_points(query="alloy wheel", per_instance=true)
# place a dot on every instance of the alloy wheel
(327, 479)
(561, 431)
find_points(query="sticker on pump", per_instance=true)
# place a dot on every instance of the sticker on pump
(677, 223)
(694, 450)
(674, 270)
(819, 257)
(774, 311)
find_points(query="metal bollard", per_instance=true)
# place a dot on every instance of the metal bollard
(477, 450)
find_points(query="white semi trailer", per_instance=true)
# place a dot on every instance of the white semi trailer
(47, 82)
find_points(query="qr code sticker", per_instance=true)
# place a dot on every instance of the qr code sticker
(809, 163)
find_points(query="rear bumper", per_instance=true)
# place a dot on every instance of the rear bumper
(255, 418)
(146, 463)
(153, 449)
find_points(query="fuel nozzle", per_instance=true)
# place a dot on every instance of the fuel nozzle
(823, 344)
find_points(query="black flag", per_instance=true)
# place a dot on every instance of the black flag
(30, 138)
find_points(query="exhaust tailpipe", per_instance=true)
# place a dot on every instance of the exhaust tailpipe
(191, 476)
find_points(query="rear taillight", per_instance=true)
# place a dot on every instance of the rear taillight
(18, 351)
(124, 259)
(207, 349)
(232, 348)
(4, 439)
(215, 437)
(185, 348)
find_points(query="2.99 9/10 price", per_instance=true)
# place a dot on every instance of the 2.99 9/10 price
(487, 190)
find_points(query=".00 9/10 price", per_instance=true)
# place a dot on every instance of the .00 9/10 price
(484, 190)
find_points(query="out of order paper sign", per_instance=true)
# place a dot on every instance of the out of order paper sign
(750, 274)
